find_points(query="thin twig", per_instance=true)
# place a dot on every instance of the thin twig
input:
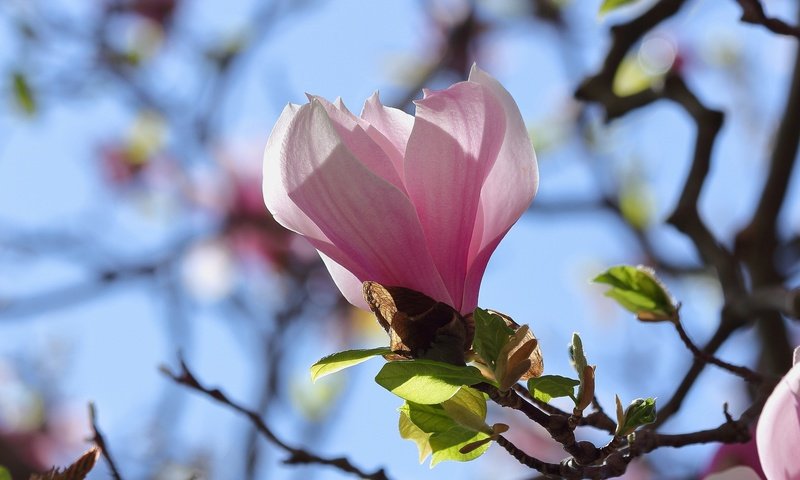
(753, 12)
(744, 372)
(723, 332)
(597, 419)
(757, 243)
(296, 455)
(100, 441)
(558, 426)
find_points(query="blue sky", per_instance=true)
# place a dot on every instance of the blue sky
(539, 275)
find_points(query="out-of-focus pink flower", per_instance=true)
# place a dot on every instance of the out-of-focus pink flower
(735, 454)
(414, 201)
(778, 431)
(736, 473)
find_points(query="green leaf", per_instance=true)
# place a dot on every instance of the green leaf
(637, 289)
(409, 431)
(491, 333)
(447, 445)
(585, 373)
(23, 93)
(339, 361)
(576, 354)
(4, 474)
(640, 412)
(609, 5)
(445, 435)
(428, 418)
(426, 381)
(468, 408)
(548, 387)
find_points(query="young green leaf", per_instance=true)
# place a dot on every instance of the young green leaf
(409, 431)
(638, 290)
(548, 387)
(4, 474)
(341, 360)
(447, 445)
(576, 354)
(609, 5)
(426, 381)
(446, 436)
(640, 412)
(468, 408)
(491, 333)
(585, 373)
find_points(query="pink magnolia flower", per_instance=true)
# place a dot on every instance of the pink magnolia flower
(778, 431)
(414, 201)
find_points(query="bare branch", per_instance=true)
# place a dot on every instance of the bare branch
(753, 12)
(296, 455)
(100, 441)
(743, 372)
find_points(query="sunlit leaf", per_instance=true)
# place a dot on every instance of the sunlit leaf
(491, 334)
(426, 381)
(446, 436)
(409, 431)
(447, 445)
(4, 475)
(341, 360)
(638, 290)
(548, 387)
(468, 408)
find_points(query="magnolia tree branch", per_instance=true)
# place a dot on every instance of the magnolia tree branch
(612, 460)
(296, 455)
(99, 440)
(743, 372)
(685, 216)
(597, 419)
(753, 12)
(757, 243)
(671, 407)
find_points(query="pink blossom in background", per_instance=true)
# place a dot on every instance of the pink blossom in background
(414, 201)
(778, 431)
(732, 455)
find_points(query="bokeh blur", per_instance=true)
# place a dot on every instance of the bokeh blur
(132, 226)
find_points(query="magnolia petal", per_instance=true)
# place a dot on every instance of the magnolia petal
(368, 219)
(390, 124)
(345, 281)
(509, 188)
(457, 135)
(351, 130)
(778, 431)
(276, 197)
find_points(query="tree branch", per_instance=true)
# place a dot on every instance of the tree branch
(296, 455)
(753, 12)
(743, 372)
(99, 440)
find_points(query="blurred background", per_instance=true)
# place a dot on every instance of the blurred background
(132, 225)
